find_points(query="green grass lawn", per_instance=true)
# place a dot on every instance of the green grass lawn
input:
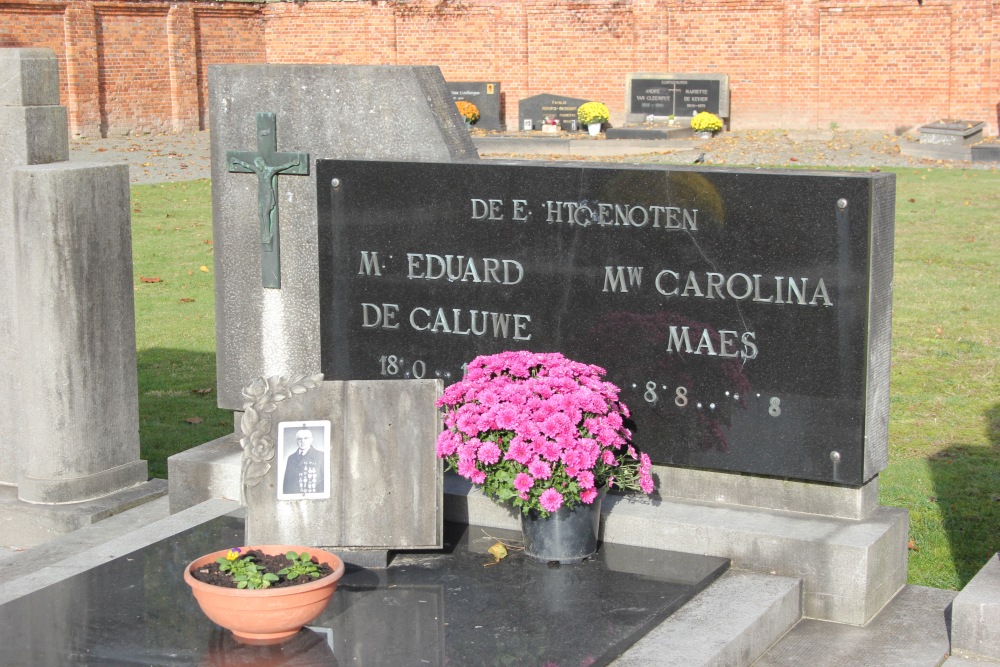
(175, 320)
(944, 436)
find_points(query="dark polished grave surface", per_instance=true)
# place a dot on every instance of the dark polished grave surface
(435, 608)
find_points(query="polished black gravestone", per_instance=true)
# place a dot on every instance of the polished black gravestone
(537, 108)
(435, 608)
(485, 95)
(679, 95)
(744, 314)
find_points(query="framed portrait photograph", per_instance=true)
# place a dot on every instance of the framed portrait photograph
(304, 460)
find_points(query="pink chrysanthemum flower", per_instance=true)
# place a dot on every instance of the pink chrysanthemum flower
(551, 500)
(489, 453)
(523, 482)
(540, 469)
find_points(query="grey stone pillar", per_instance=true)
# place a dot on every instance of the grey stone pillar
(32, 131)
(76, 322)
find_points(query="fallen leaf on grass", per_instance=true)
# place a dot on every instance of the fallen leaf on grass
(194, 420)
(207, 242)
(912, 545)
(203, 268)
(144, 279)
(187, 299)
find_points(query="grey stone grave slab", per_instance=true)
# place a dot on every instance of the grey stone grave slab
(952, 132)
(427, 608)
(985, 153)
(705, 294)
(486, 95)
(650, 132)
(372, 484)
(319, 110)
(537, 108)
(681, 95)
(975, 615)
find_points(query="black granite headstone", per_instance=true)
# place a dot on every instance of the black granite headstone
(674, 97)
(539, 107)
(485, 95)
(744, 314)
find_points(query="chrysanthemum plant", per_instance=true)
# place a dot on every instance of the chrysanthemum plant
(468, 111)
(706, 122)
(592, 112)
(540, 432)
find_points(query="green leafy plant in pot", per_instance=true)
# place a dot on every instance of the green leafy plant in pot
(546, 435)
(264, 594)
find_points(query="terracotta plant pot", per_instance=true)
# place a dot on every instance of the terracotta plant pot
(267, 615)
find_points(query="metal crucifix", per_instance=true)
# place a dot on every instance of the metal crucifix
(267, 163)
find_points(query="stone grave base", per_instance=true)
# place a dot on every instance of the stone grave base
(647, 132)
(986, 153)
(957, 133)
(432, 607)
(731, 622)
(25, 525)
(936, 151)
(849, 567)
(975, 633)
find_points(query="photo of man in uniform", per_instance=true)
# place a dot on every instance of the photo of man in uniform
(305, 471)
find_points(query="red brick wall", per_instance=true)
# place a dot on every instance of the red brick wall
(330, 32)
(744, 39)
(884, 64)
(132, 67)
(896, 70)
(223, 35)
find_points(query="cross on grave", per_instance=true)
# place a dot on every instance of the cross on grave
(267, 163)
(673, 99)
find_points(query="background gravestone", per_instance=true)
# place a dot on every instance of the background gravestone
(385, 481)
(485, 95)
(537, 107)
(361, 112)
(680, 95)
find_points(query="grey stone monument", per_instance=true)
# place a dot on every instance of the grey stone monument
(379, 489)
(69, 444)
(266, 111)
(284, 114)
(32, 131)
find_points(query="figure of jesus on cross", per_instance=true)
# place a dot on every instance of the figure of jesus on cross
(267, 164)
(267, 191)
